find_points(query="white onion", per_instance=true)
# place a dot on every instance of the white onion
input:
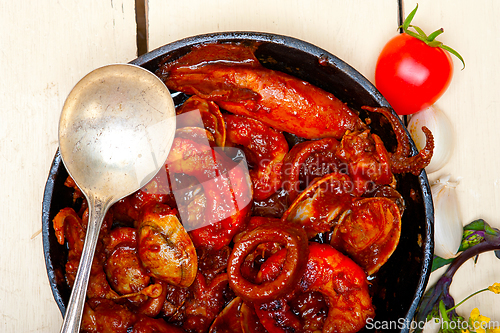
(448, 227)
(440, 126)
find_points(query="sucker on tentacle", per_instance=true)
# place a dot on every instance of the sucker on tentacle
(400, 160)
(415, 164)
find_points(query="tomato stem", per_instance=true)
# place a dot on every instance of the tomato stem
(421, 33)
(435, 34)
(407, 21)
(429, 40)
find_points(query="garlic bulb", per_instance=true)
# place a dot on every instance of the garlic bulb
(448, 227)
(439, 124)
(432, 326)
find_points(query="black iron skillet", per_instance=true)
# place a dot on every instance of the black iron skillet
(399, 285)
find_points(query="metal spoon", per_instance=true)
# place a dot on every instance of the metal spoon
(115, 132)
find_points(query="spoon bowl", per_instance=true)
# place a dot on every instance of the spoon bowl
(115, 132)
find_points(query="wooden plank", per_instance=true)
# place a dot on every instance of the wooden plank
(471, 29)
(46, 47)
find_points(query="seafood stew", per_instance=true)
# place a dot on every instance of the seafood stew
(400, 190)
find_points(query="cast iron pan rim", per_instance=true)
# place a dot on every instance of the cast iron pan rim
(428, 243)
(46, 225)
(266, 37)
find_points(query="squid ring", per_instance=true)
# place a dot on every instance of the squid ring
(295, 159)
(293, 238)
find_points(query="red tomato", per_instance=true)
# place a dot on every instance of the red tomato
(412, 75)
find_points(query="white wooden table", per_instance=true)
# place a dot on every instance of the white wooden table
(46, 47)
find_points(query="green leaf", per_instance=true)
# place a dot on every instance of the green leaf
(420, 32)
(435, 34)
(409, 18)
(490, 231)
(438, 262)
(455, 53)
(481, 225)
(475, 225)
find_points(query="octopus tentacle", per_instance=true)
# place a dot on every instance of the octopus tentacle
(403, 148)
(400, 160)
(415, 164)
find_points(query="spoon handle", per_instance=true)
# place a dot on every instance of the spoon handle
(73, 315)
